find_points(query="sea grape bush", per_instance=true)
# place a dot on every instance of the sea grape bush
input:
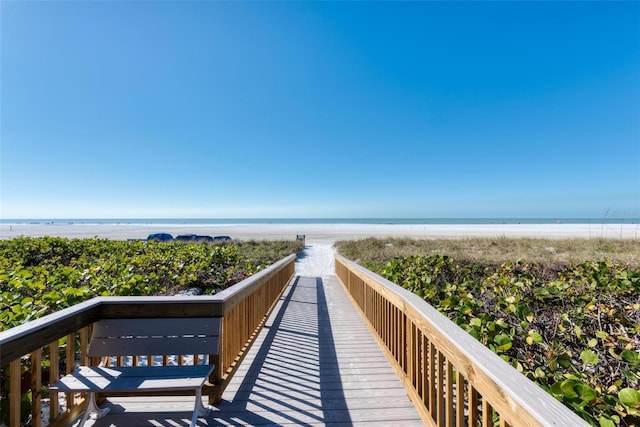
(576, 332)
(42, 275)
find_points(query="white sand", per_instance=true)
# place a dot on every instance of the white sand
(327, 233)
(316, 260)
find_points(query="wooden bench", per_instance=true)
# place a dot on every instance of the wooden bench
(148, 337)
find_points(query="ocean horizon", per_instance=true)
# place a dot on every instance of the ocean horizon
(611, 219)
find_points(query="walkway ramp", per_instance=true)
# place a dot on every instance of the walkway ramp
(314, 363)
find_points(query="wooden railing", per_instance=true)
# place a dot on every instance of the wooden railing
(63, 337)
(452, 378)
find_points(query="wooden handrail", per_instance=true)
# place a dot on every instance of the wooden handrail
(451, 377)
(243, 308)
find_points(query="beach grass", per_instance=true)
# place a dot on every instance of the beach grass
(553, 253)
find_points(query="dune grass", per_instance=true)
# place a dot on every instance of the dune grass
(552, 253)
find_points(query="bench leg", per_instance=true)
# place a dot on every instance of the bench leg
(199, 410)
(92, 410)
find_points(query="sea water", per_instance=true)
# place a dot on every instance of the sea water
(608, 219)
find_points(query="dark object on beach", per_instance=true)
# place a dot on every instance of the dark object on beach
(194, 238)
(220, 238)
(160, 237)
(186, 237)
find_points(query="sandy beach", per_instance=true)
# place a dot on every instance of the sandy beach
(325, 233)
(319, 238)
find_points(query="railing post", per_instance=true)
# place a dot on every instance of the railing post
(215, 396)
(14, 393)
(36, 383)
(70, 364)
(54, 371)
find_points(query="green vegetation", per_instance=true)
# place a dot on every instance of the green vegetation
(42, 275)
(552, 254)
(567, 319)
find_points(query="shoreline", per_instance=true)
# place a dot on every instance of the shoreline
(325, 232)
(614, 218)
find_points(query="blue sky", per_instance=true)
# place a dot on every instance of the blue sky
(319, 109)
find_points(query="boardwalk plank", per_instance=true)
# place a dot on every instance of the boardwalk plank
(314, 363)
(353, 394)
(341, 366)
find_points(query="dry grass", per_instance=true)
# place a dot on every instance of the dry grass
(554, 253)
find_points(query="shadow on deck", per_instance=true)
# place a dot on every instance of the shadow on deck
(314, 363)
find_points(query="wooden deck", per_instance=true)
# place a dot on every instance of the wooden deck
(314, 363)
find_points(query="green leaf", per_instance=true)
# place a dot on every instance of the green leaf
(26, 301)
(606, 422)
(629, 398)
(602, 335)
(630, 356)
(533, 337)
(578, 332)
(556, 389)
(592, 342)
(589, 357)
(525, 312)
(504, 342)
(586, 393)
(502, 323)
(567, 389)
(564, 360)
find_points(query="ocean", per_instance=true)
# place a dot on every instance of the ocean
(619, 219)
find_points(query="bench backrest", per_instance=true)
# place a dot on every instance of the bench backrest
(160, 336)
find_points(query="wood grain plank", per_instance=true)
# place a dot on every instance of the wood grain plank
(329, 362)
(487, 413)
(15, 371)
(36, 384)
(344, 372)
(460, 399)
(140, 346)
(144, 379)
(449, 393)
(70, 364)
(473, 407)
(54, 357)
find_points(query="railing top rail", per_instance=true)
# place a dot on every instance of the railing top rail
(236, 293)
(515, 388)
(28, 328)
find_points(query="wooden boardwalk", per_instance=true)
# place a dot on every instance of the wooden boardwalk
(314, 363)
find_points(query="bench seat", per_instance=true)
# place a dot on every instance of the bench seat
(136, 337)
(138, 378)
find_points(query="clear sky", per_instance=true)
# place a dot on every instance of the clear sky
(319, 109)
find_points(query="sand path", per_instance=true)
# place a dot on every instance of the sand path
(316, 259)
